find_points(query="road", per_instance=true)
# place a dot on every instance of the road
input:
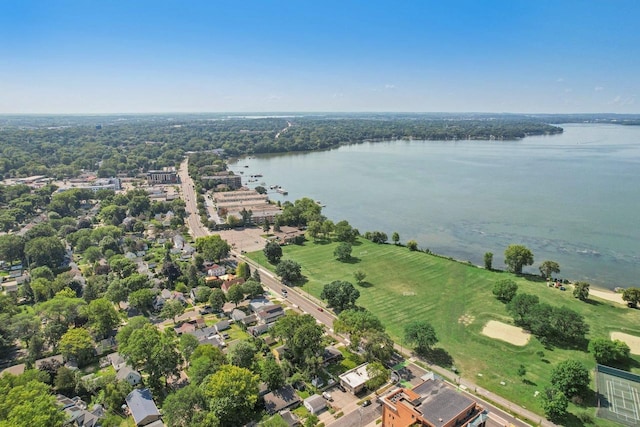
(189, 197)
(305, 303)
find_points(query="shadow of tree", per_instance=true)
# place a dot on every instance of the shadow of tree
(351, 260)
(528, 382)
(365, 284)
(438, 356)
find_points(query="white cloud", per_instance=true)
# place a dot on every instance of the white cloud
(389, 86)
(598, 88)
(560, 80)
(623, 101)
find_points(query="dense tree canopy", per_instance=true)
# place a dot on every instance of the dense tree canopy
(273, 252)
(340, 295)
(232, 393)
(213, 247)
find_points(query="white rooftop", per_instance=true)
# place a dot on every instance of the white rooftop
(356, 376)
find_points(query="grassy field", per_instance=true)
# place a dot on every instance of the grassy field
(456, 298)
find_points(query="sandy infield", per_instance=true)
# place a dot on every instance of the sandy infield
(609, 296)
(502, 331)
(631, 340)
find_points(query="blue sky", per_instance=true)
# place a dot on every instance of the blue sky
(134, 56)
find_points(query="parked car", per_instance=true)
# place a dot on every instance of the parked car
(366, 402)
(320, 309)
(341, 388)
(327, 396)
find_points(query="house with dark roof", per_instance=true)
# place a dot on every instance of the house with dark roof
(53, 359)
(142, 407)
(432, 403)
(330, 355)
(281, 399)
(222, 325)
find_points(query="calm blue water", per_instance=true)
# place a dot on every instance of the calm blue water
(572, 198)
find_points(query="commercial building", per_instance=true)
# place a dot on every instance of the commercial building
(164, 176)
(432, 403)
(224, 178)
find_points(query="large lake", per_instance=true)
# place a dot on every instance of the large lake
(572, 198)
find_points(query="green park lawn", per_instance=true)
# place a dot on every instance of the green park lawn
(456, 298)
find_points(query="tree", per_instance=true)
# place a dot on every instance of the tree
(314, 228)
(488, 261)
(188, 344)
(356, 322)
(607, 352)
(142, 299)
(102, 317)
(289, 271)
(344, 232)
(522, 371)
(271, 373)
(43, 272)
(303, 337)
(343, 252)
(202, 293)
(217, 299)
(256, 276)
(359, 275)
(185, 407)
(252, 288)
(243, 270)
(172, 309)
(554, 403)
(412, 245)
(156, 353)
(205, 360)
(11, 248)
(570, 377)
(115, 393)
(340, 295)
(77, 344)
(24, 325)
(92, 254)
(521, 306)
(631, 296)
(242, 354)
(273, 252)
(377, 345)
(547, 268)
(378, 375)
(29, 404)
(235, 294)
(581, 291)
(65, 382)
(122, 266)
(232, 393)
(213, 247)
(421, 334)
(516, 257)
(47, 251)
(505, 290)
(395, 237)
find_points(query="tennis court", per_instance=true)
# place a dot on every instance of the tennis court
(618, 395)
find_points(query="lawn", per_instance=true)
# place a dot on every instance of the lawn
(456, 298)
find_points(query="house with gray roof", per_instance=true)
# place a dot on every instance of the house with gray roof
(130, 375)
(142, 407)
(270, 314)
(315, 403)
